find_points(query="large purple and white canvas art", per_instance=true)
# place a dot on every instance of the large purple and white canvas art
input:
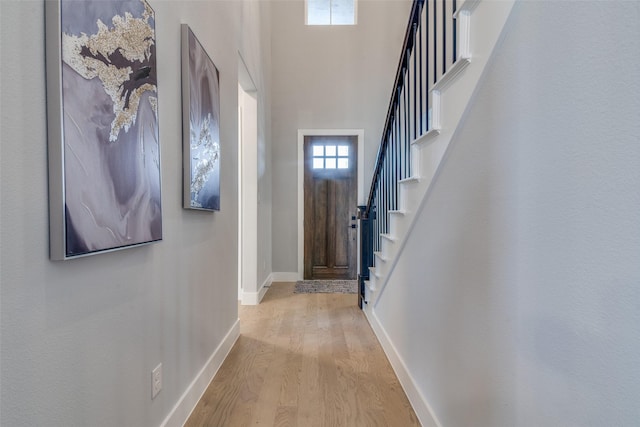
(104, 152)
(201, 126)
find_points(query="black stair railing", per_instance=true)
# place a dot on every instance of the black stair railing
(428, 51)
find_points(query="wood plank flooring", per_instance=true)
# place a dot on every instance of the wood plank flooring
(304, 360)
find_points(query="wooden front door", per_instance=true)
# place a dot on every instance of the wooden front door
(330, 190)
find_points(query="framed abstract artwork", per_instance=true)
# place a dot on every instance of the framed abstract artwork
(200, 126)
(102, 113)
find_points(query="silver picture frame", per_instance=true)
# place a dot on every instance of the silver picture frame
(200, 125)
(102, 119)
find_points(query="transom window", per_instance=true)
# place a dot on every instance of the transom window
(330, 156)
(330, 12)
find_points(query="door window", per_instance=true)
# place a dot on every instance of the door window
(330, 156)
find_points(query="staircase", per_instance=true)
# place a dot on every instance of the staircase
(446, 49)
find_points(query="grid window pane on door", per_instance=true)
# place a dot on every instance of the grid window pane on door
(331, 12)
(330, 156)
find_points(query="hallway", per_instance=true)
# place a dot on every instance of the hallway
(304, 360)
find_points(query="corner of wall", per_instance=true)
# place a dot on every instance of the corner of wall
(423, 410)
(254, 298)
(192, 395)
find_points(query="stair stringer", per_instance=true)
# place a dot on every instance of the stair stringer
(483, 22)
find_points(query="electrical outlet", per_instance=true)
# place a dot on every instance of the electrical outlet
(156, 381)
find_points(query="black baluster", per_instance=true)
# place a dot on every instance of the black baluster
(444, 36)
(406, 131)
(415, 77)
(427, 59)
(455, 32)
(420, 82)
(435, 42)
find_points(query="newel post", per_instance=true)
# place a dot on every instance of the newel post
(366, 252)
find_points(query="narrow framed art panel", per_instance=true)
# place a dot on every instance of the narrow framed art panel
(102, 113)
(200, 126)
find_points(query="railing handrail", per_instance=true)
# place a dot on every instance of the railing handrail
(407, 47)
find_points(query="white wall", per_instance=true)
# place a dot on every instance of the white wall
(517, 301)
(79, 338)
(327, 78)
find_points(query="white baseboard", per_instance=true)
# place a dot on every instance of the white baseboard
(192, 395)
(420, 405)
(285, 277)
(254, 298)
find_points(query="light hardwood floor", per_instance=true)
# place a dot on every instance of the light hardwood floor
(304, 360)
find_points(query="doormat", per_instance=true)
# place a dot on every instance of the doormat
(326, 287)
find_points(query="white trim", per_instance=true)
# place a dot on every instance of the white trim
(285, 276)
(380, 256)
(240, 139)
(254, 298)
(464, 23)
(467, 6)
(420, 405)
(192, 395)
(409, 180)
(355, 12)
(435, 110)
(449, 77)
(426, 137)
(248, 196)
(389, 237)
(361, 197)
